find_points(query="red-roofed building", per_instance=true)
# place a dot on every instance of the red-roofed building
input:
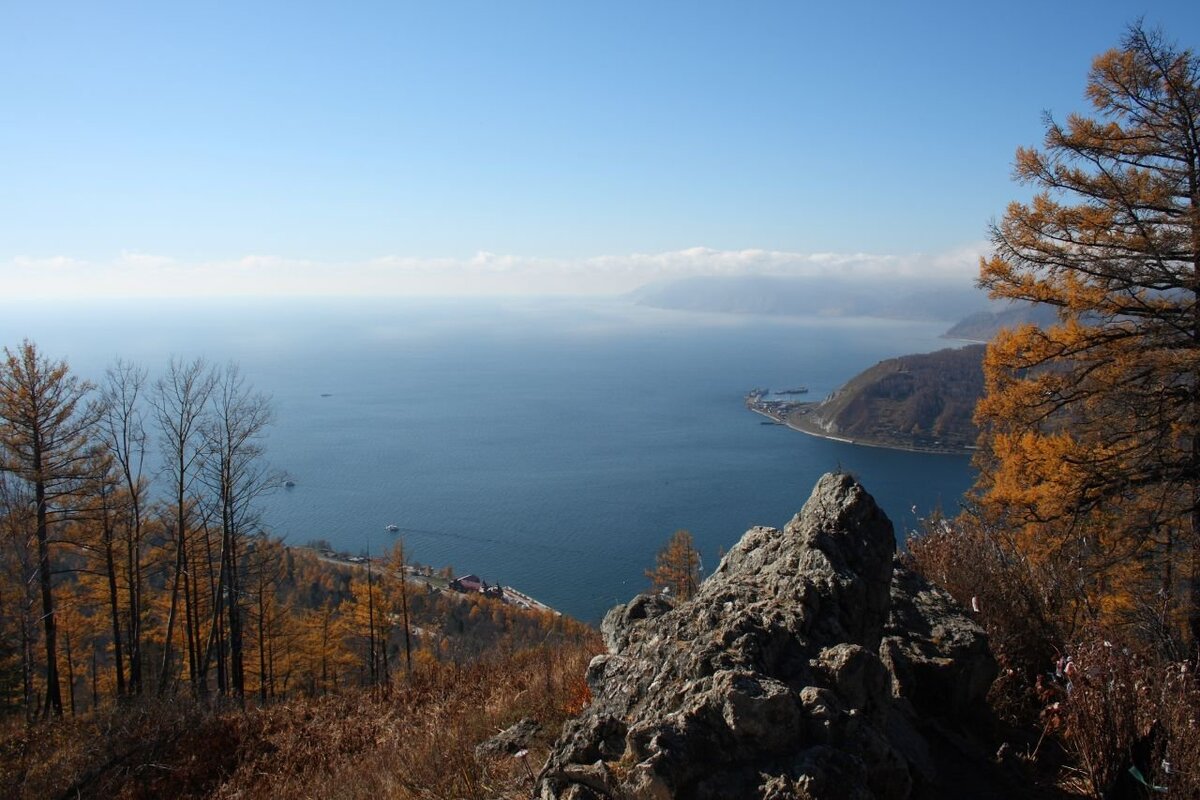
(467, 584)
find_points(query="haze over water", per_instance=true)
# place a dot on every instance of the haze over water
(552, 445)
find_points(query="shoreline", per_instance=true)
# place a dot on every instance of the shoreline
(518, 598)
(813, 430)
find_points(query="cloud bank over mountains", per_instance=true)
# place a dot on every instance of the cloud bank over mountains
(137, 274)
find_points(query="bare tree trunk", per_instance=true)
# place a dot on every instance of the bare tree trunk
(214, 642)
(236, 665)
(325, 650)
(125, 432)
(191, 610)
(1193, 184)
(134, 568)
(404, 614)
(222, 648)
(114, 601)
(179, 403)
(53, 691)
(1193, 612)
(164, 673)
(271, 658)
(27, 669)
(262, 643)
(70, 670)
(373, 670)
(235, 475)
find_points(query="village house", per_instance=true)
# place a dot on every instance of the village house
(469, 584)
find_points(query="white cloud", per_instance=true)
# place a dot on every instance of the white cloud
(46, 265)
(136, 260)
(135, 274)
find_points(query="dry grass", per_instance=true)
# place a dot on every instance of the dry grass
(1130, 710)
(418, 742)
(1016, 600)
(1129, 702)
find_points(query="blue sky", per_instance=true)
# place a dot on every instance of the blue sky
(447, 147)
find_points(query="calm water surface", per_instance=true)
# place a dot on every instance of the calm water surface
(553, 445)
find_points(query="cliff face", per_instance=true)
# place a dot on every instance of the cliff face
(809, 665)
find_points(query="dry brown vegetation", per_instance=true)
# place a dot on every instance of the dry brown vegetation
(416, 740)
(1082, 705)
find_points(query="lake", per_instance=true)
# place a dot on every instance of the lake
(550, 444)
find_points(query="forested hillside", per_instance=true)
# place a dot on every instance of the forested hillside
(156, 642)
(922, 401)
(334, 701)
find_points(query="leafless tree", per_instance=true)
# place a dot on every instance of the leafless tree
(180, 399)
(124, 430)
(236, 474)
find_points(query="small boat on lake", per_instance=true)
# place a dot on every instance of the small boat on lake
(393, 528)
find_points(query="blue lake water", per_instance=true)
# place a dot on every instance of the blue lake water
(549, 444)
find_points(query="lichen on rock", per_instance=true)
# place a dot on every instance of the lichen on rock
(802, 668)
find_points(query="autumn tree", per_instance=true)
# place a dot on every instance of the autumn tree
(122, 424)
(103, 514)
(1090, 426)
(18, 595)
(179, 400)
(46, 425)
(677, 566)
(399, 567)
(236, 474)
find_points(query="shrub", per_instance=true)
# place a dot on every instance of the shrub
(1129, 720)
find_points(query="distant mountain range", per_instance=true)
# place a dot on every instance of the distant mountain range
(983, 325)
(976, 317)
(890, 298)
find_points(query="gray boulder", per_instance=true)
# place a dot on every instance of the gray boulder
(510, 740)
(800, 669)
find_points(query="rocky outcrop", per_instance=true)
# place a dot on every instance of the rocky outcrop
(509, 741)
(809, 665)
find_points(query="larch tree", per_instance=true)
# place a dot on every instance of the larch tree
(122, 424)
(266, 563)
(237, 475)
(398, 564)
(179, 400)
(677, 566)
(46, 425)
(1090, 441)
(103, 515)
(18, 595)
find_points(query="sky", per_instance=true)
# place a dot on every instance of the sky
(446, 147)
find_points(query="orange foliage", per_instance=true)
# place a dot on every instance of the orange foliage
(1088, 444)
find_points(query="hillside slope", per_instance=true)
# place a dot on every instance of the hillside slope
(922, 402)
